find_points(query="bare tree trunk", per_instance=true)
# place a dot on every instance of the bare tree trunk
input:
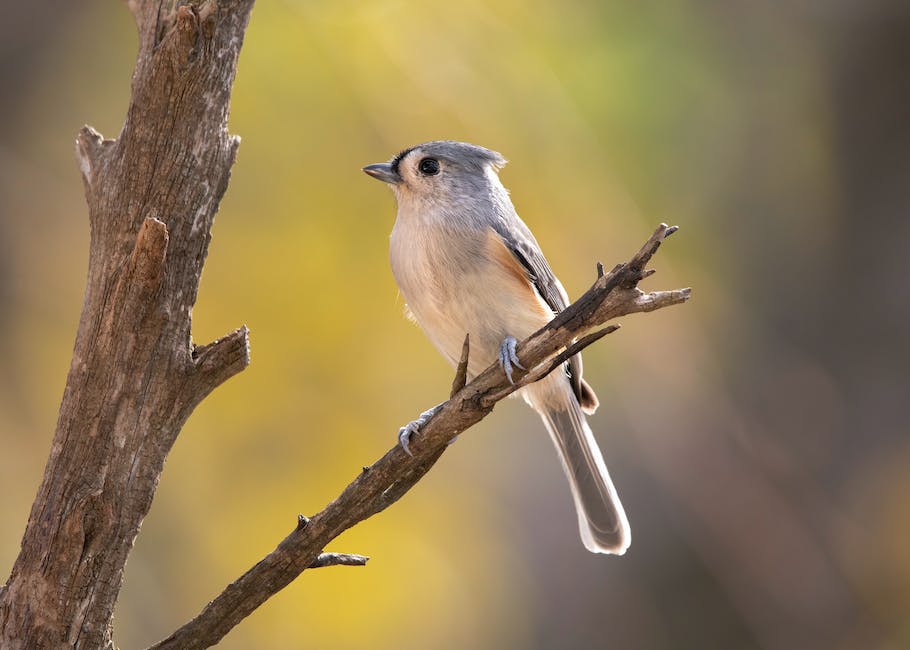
(135, 376)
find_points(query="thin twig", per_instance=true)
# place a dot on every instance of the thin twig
(461, 371)
(338, 559)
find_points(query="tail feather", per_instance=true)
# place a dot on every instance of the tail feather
(601, 519)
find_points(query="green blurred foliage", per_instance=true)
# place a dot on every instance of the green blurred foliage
(731, 424)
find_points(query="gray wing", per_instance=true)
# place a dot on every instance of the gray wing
(524, 247)
(519, 240)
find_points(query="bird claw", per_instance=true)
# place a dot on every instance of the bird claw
(405, 433)
(508, 359)
(412, 427)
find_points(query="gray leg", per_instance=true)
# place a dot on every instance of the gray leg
(412, 427)
(507, 357)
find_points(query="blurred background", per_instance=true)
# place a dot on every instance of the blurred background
(758, 435)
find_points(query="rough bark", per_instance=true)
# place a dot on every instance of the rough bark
(135, 376)
(385, 481)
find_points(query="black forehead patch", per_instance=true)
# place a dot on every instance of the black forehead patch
(396, 161)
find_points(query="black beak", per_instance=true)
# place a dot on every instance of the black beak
(383, 172)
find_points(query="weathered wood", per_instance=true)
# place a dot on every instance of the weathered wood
(135, 376)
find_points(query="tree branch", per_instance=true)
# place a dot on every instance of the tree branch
(338, 559)
(220, 360)
(385, 481)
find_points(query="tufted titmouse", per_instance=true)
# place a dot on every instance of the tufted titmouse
(466, 263)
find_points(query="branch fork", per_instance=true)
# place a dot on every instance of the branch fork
(381, 484)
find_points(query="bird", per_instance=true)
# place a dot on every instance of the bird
(466, 264)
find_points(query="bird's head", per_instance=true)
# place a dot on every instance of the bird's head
(442, 171)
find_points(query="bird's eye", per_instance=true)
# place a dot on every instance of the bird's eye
(429, 166)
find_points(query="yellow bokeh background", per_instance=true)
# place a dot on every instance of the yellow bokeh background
(757, 435)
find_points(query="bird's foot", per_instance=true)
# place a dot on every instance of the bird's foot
(508, 360)
(412, 427)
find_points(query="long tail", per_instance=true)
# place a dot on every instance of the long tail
(601, 519)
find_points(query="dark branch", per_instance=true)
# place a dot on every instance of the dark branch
(385, 481)
(541, 371)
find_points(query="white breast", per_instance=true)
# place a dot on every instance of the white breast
(453, 286)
